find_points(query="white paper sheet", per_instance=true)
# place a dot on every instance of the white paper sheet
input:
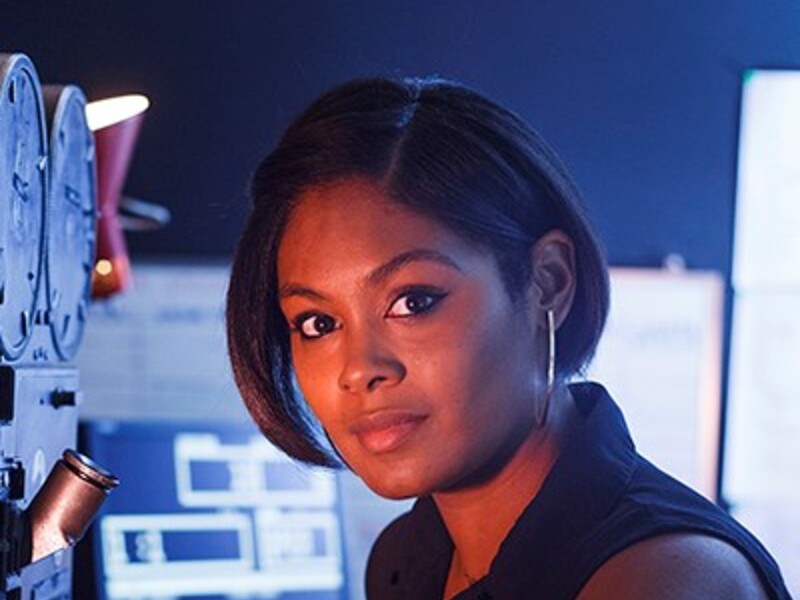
(660, 358)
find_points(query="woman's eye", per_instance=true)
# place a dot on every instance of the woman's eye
(315, 326)
(414, 303)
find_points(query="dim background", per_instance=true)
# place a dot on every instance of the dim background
(640, 97)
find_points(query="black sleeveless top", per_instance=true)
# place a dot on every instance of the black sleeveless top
(599, 498)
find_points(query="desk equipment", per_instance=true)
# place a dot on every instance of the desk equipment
(210, 511)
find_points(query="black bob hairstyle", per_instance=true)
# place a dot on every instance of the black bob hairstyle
(438, 148)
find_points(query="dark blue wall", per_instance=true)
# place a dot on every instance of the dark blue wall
(640, 97)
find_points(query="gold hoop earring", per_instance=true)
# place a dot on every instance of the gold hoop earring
(551, 367)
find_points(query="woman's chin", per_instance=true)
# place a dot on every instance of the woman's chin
(393, 486)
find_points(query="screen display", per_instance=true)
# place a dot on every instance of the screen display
(211, 512)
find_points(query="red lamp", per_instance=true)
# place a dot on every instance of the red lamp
(115, 123)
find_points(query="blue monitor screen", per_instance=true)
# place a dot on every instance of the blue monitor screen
(211, 512)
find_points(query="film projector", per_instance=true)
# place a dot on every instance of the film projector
(48, 492)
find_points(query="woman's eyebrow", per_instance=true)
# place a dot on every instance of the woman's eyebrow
(291, 289)
(380, 274)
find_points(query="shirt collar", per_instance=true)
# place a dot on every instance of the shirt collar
(592, 472)
(586, 481)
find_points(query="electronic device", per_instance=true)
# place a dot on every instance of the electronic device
(209, 511)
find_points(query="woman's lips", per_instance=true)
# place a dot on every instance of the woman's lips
(385, 430)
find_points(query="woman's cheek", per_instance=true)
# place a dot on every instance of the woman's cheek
(318, 386)
(305, 378)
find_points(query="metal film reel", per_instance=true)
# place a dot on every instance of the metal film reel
(23, 190)
(71, 219)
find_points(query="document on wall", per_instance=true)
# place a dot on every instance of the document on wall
(762, 476)
(764, 400)
(767, 247)
(761, 473)
(158, 350)
(660, 357)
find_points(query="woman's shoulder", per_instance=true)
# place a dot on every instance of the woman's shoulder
(676, 566)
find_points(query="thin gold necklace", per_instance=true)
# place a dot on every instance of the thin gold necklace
(469, 578)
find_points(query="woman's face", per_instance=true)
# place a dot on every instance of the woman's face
(405, 342)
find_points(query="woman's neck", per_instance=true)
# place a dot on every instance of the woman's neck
(478, 518)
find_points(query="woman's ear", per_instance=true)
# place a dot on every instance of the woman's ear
(553, 276)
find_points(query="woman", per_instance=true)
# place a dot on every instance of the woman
(418, 272)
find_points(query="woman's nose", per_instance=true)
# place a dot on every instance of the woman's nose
(369, 364)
